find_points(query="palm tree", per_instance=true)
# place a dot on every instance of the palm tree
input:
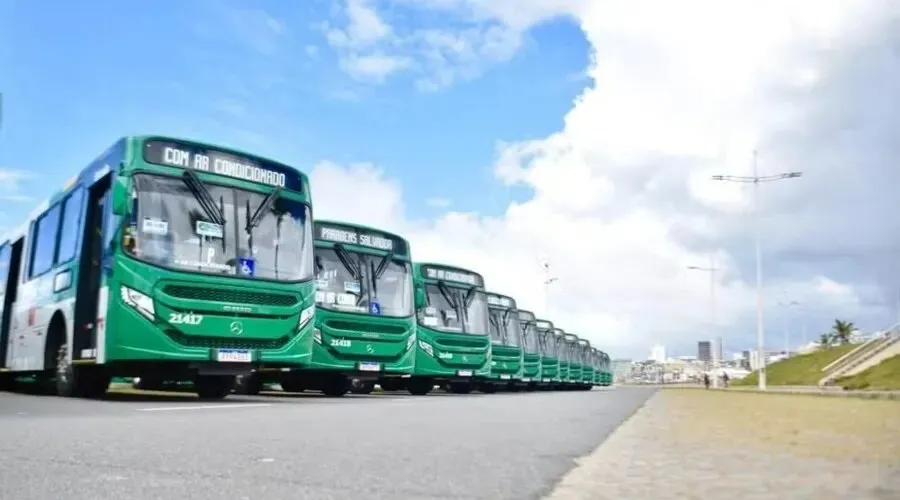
(825, 339)
(841, 331)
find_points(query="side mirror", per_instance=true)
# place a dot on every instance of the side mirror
(420, 297)
(121, 195)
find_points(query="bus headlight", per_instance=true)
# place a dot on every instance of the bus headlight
(317, 335)
(306, 315)
(140, 302)
(411, 341)
(425, 346)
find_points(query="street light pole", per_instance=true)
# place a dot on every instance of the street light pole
(756, 179)
(548, 280)
(712, 313)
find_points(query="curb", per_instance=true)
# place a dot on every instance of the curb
(812, 391)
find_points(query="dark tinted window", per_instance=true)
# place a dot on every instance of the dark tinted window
(43, 245)
(68, 237)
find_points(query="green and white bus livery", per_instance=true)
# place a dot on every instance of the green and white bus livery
(587, 364)
(506, 344)
(531, 359)
(452, 329)
(164, 259)
(549, 353)
(573, 356)
(365, 318)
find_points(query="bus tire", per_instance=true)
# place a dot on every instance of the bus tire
(335, 387)
(459, 387)
(213, 386)
(78, 381)
(362, 387)
(419, 387)
(249, 384)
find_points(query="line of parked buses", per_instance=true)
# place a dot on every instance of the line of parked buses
(168, 261)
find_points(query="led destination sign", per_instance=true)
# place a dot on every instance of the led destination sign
(203, 159)
(455, 275)
(500, 301)
(349, 235)
(543, 325)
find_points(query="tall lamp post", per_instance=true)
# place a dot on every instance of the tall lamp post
(548, 280)
(712, 311)
(757, 179)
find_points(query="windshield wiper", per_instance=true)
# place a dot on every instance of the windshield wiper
(204, 199)
(377, 272)
(346, 260)
(451, 299)
(261, 210)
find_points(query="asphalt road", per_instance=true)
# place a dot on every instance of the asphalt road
(513, 446)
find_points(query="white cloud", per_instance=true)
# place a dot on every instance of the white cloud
(623, 190)
(438, 202)
(11, 185)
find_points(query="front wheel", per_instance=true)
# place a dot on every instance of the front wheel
(249, 385)
(213, 386)
(419, 387)
(459, 387)
(78, 381)
(362, 387)
(335, 387)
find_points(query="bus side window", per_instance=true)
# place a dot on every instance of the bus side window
(71, 226)
(44, 238)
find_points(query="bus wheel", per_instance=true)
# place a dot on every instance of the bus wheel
(362, 387)
(79, 382)
(460, 387)
(335, 387)
(213, 386)
(488, 388)
(419, 387)
(249, 384)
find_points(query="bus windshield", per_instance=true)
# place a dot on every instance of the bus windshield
(529, 332)
(548, 343)
(454, 309)
(504, 324)
(363, 283)
(562, 347)
(219, 230)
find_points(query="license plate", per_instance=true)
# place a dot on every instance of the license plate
(526, 379)
(234, 355)
(464, 373)
(504, 377)
(368, 366)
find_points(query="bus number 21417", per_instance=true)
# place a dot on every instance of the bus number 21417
(185, 318)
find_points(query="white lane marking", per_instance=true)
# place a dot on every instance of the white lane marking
(204, 407)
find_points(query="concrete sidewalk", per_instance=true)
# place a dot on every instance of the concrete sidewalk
(715, 444)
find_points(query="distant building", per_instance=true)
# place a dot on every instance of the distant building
(717, 350)
(704, 351)
(658, 353)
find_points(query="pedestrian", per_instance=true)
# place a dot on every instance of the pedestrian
(706, 380)
(725, 378)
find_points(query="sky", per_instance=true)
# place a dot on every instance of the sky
(500, 135)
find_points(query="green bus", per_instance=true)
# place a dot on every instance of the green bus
(452, 329)
(606, 377)
(531, 344)
(574, 357)
(587, 364)
(549, 354)
(164, 259)
(563, 352)
(365, 320)
(507, 354)
(595, 362)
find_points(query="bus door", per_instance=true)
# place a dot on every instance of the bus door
(90, 270)
(10, 262)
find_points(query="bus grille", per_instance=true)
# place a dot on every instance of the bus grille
(226, 342)
(231, 295)
(354, 326)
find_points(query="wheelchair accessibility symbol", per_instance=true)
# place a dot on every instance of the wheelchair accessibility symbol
(248, 267)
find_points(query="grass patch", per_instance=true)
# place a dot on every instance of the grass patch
(804, 369)
(884, 376)
(848, 429)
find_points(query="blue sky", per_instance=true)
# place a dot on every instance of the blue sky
(261, 76)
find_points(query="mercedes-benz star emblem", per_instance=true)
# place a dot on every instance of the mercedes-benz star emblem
(237, 328)
(370, 349)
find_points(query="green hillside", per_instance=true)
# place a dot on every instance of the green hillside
(804, 369)
(884, 376)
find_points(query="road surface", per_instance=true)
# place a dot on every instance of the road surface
(513, 446)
